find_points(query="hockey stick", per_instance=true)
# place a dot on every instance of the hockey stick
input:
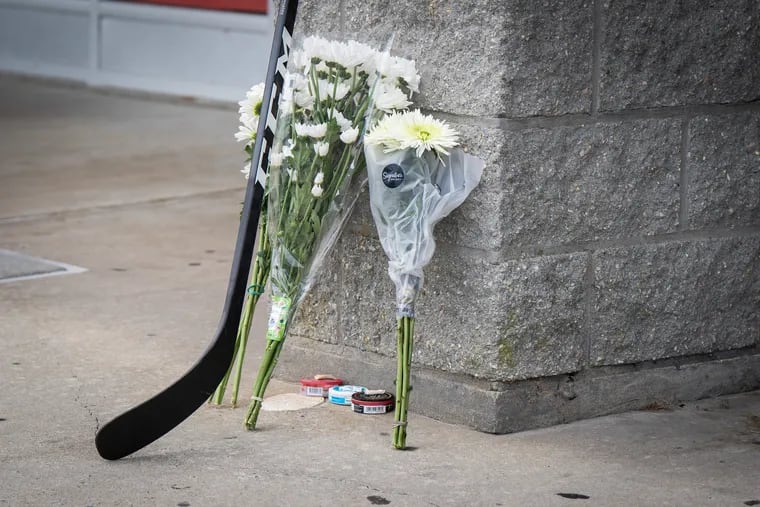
(155, 417)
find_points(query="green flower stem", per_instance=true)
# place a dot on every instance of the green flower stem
(260, 275)
(404, 346)
(218, 397)
(268, 362)
(258, 281)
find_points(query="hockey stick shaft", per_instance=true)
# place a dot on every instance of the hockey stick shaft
(158, 415)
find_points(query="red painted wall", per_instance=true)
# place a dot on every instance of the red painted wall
(218, 5)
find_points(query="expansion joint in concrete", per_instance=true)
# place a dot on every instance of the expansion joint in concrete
(595, 52)
(600, 117)
(508, 254)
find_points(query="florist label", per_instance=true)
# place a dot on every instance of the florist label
(278, 317)
(393, 175)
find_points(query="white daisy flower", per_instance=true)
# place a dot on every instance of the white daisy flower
(250, 107)
(350, 135)
(317, 191)
(246, 134)
(317, 131)
(321, 148)
(412, 129)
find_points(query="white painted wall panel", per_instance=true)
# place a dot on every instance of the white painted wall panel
(39, 37)
(206, 55)
(189, 52)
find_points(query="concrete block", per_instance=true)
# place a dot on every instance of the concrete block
(496, 407)
(478, 222)
(576, 184)
(506, 321)
(675, 299)
(541, 313)
(548, 57)
(318, 17)
(723, 168)
(674, 53)
(461, 49)
(548, 401)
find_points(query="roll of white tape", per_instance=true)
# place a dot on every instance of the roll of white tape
(341, 395)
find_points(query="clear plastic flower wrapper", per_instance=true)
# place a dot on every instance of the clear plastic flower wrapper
(409, 195)
(415, 180)
(333, 91)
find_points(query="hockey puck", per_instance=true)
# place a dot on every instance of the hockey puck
(372, 402)
(318, 386)
(341, 395)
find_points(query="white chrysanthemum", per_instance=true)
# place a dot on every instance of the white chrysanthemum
(394, 68)
(351, 54)
(317, 131)
(412, 129)
(287, 150)
(350, 135)
(250, 107)
(304, 100)
(275, 158)
(315, 47)
(389, 98)
(319, 178)
(312, 48)
(321, 148)
(329, 89)
(343, 122)
(348, 54)
(299, 82)
(317, 191)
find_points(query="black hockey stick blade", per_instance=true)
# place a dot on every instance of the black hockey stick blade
(155, 417)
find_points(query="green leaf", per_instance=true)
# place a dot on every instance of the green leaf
(316, 225)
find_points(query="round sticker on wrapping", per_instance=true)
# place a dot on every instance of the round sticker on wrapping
(393, 175)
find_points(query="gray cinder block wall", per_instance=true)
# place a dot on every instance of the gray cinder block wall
(610, 258)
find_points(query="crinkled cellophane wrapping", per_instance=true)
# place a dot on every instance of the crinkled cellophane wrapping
(408, 201)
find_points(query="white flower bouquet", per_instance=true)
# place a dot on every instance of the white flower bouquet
(416, 177)
(333, 91)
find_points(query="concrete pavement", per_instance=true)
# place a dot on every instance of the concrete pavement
(144, 193)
